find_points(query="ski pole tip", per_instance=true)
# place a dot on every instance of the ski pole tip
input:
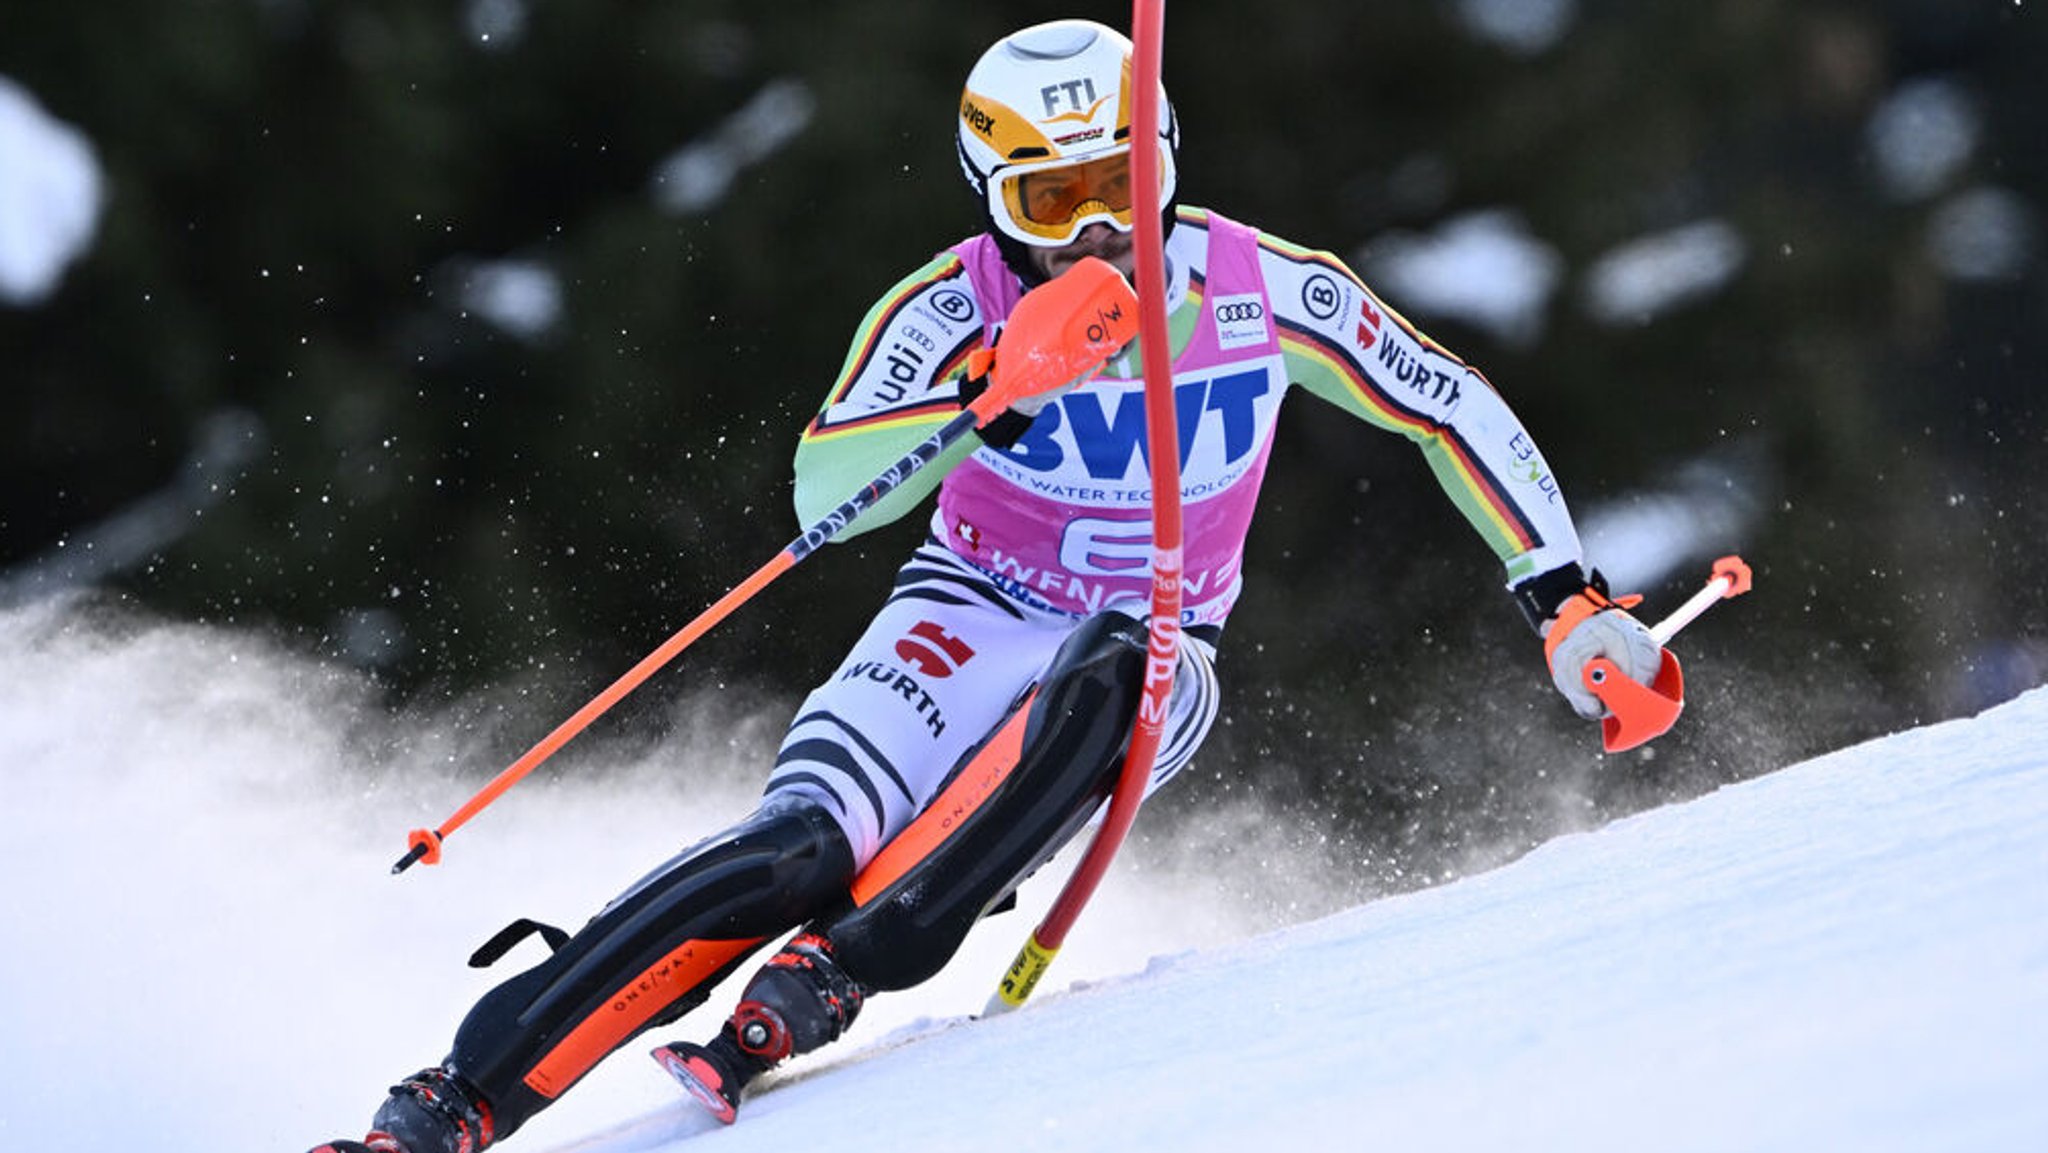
(426, 846)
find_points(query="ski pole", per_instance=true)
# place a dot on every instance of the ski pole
(1061, 331)
(1163, 440)
(425, 844)
(1731, 579)
(1638, 713)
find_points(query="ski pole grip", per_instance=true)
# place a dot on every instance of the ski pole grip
(1638, 712)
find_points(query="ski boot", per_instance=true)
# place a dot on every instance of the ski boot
(432, 1111)
(800, 1000)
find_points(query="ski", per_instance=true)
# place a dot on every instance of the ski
(694, 1069)
(698, 1071)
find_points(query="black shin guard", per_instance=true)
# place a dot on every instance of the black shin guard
(649, 957)
(1078, 728)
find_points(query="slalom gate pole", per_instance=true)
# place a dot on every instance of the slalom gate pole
(1163, 448)
(1053, 337)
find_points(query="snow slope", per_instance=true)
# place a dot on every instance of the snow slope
(204, 950)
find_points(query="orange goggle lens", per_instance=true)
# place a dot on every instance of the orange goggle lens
(1050, 205)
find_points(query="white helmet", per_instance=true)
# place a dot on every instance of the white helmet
(1045, 132)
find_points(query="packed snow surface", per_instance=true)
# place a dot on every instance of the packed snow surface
(206, 952)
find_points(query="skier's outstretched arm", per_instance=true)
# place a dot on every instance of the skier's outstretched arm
(1346, 346)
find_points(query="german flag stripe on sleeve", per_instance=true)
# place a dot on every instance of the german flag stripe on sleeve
(954, 365)
(882, 317)
(1387, 411)
(1294, 254)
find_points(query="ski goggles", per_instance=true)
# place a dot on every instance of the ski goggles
(1049, 204)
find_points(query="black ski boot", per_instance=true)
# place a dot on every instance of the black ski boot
(432, 1111)
(799, 1000)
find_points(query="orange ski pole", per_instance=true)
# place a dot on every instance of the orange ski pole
(1163, 447)
(1638, 713)
(1062, 331)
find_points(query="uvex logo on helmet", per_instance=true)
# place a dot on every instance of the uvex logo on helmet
(975, 119)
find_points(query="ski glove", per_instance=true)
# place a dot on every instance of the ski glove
(1009, 425)
(1586, 624)
(1070, 326)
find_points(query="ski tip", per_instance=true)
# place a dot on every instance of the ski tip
(698, 1078)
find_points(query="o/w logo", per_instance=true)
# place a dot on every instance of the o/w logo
(1240, 321)
(1105, 428)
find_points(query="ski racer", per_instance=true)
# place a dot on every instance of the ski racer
(1008, 656)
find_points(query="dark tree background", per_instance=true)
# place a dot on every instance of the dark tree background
(273, 359)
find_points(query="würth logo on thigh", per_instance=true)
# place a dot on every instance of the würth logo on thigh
(933, 651)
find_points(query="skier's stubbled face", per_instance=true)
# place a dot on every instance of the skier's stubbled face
(1098, 240)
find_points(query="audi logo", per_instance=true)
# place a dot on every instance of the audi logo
(1240, 310)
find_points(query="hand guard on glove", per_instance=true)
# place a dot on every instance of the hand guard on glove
(1579, 625)
(1070, 326)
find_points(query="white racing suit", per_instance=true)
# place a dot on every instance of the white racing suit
(1029, 538)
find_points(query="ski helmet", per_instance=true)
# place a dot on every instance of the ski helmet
(1045, 134)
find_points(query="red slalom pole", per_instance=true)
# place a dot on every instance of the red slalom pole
(1148, 21)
